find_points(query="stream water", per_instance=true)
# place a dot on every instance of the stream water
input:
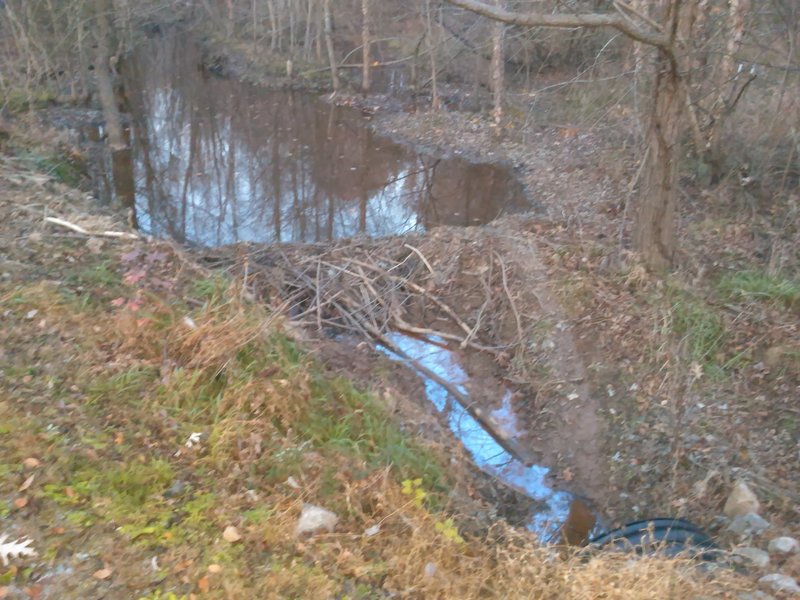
(216, 161)
(487, 453)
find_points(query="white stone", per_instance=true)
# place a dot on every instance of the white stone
(781, 583)
(741, 501)
(754, 556)
(315, 518)
(757, 595)
(784, 545)
(748, 524)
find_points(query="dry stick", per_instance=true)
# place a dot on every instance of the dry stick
(462, 342)
(422, 291)
(509, 445)
(421, 256)
(520, 333)
(318, 303)
(81, 230)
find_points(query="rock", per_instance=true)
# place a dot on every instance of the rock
(748, 524)
(757, 595)
(176, 489)
(781, 583)
(231, 534)
(754, 556)
(784, 545)
(741, 501)
(313, 519)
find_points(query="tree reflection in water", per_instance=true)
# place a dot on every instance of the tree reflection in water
(219, 161)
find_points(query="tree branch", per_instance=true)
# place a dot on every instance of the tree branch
(616, 21)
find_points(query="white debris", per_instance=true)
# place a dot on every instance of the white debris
(194, 439)
(372, 531)
(15, 549)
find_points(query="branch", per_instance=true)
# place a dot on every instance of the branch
(616, 21)
(110, 234)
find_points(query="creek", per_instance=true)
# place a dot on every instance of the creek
(217, 161)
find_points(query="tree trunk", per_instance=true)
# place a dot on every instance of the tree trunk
(654, 232)
(365, 46)
(431, 47)
(329, 44)
(229, 23)
(105, 88)
(498, 66)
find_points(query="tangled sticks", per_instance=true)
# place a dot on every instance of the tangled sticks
(372, 288)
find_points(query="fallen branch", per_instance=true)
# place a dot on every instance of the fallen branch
(77, 228)
(509, 445)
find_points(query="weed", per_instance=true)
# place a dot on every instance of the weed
(701, 327)
(131, 484)
(762, 287)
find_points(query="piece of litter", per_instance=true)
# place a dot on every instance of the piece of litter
(193, 439)
(371, 531)
(292, 483)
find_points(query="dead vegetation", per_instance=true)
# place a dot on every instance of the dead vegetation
(116, 355)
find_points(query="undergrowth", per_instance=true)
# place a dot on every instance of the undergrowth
(157, 419)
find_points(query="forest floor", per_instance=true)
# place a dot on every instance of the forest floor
(648, 395)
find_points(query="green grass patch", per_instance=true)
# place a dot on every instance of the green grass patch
(19, 100)
(761, 287)
(702, 328)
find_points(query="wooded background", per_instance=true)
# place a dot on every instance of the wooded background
(706, 89)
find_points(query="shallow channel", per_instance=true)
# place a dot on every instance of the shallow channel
(487, 453)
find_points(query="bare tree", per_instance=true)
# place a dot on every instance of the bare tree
(435, 101)
(654, 230)
(365, 45)
(105, 87)
(326, 7)
(498, 65)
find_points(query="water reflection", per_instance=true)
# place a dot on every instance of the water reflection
(483, 448)
(219, 161)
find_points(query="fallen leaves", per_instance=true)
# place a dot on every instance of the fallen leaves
(27, 483)
(102, 574)
(15, 549)
(31, 463)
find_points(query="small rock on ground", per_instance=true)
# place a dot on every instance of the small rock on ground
(741, 501)
(781, 583)
(784, 545)
(748, 524)
(754, 556)
(315, 518)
